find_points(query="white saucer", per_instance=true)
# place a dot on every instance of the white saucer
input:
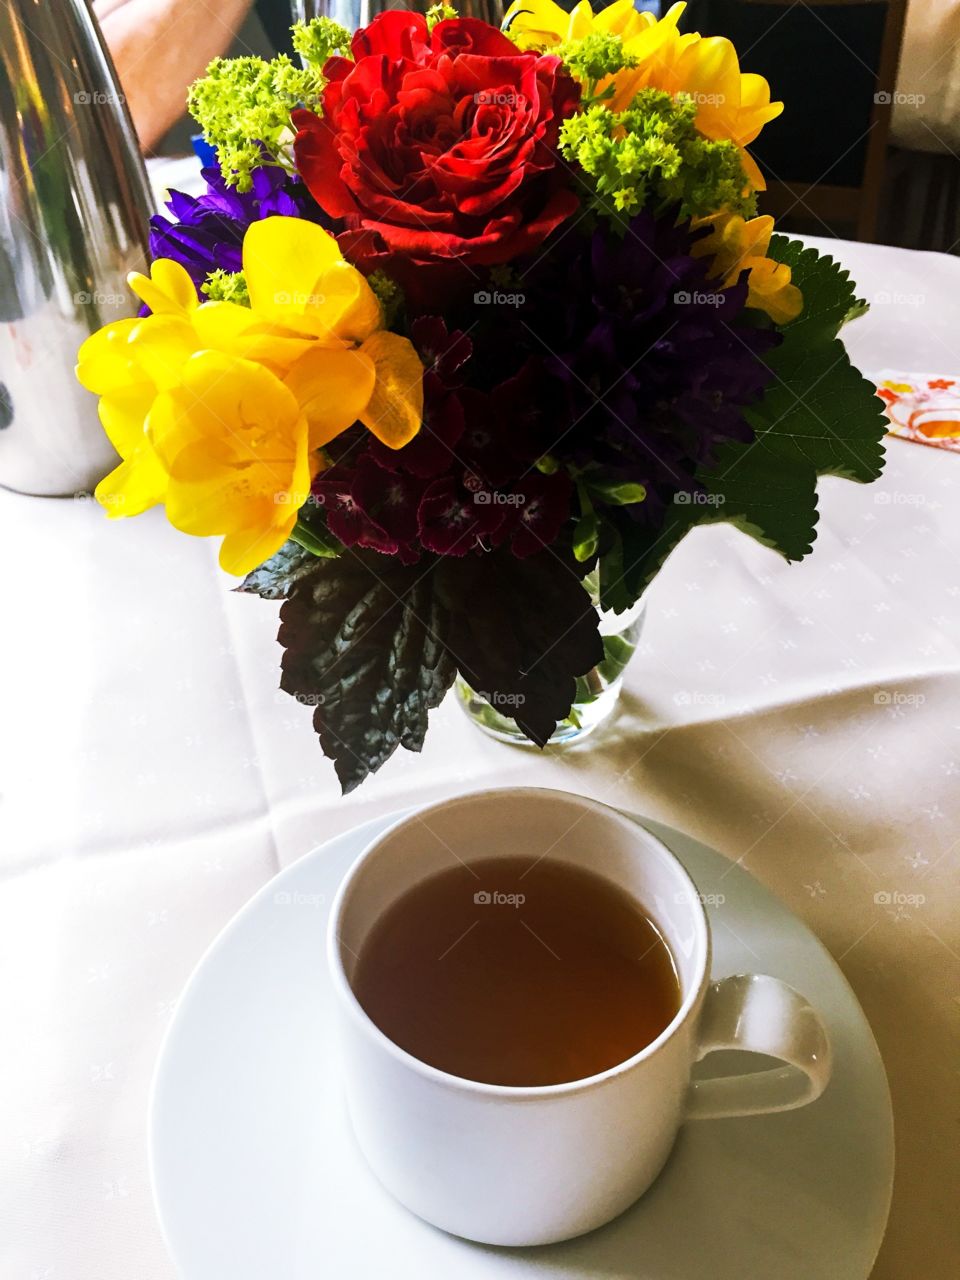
(256, 1175)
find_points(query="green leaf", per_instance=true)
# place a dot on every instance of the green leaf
(618, 494)
(364, 642)
(313, 536)
(276, 577)
(586, 532)
(819, 410)
(634, 554)
(820, 413)
(829, 297)
(585, 537)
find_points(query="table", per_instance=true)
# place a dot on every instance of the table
(804, 720)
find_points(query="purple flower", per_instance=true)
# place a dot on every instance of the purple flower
(645, 365)
(206, 232)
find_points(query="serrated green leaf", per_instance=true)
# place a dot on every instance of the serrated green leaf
(820, 412)
(860, 308)
(276, 577)
(829, 297)
(773, 500)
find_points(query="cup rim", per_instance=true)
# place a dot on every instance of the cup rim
(688, 1005)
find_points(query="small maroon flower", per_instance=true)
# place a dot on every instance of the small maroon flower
(542, 512)
(333, 490)
(454, 521)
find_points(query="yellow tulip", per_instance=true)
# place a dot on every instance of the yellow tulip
(735, 246)
(217, 410)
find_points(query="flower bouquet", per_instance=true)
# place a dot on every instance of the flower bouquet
(463, 316)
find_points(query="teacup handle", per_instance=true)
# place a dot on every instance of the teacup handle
(762, 1015)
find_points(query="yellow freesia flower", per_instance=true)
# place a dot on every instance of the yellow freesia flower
(234, 443)
(217, 410)
(731, 105)
(109, 367)
(736, 245)
(542, 24)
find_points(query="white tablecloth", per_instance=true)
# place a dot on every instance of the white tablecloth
(804, 720)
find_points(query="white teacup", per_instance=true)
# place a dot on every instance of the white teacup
(523, 1166)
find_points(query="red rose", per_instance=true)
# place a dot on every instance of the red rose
(438, 146)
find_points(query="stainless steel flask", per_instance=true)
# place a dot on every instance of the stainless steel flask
(74, 206)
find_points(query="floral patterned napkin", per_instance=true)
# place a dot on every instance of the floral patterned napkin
(924, 407)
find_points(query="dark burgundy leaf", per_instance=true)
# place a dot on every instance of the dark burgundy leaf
(521, 631)
(363, 640)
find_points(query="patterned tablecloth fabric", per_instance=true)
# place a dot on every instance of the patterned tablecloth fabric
(804, 720)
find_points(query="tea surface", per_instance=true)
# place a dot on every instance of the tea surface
(517, 972)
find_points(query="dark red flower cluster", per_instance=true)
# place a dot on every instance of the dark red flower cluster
(438, 147)
(461, 484)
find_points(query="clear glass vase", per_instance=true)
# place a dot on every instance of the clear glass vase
(597, 691)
